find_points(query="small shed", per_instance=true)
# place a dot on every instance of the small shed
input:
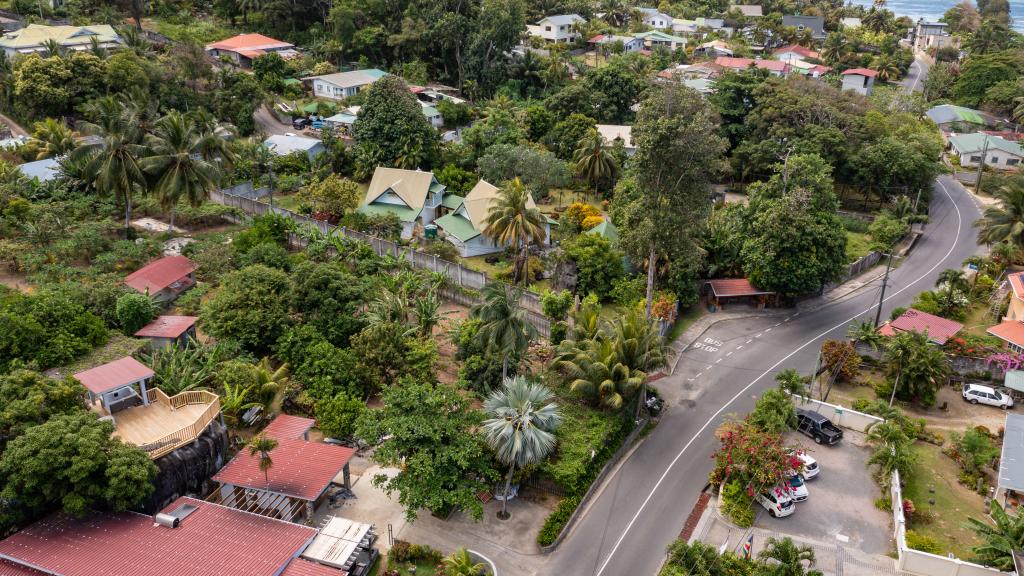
(113, 384)
(168, 331)
(733, 289)
(1010, 484)
(164, 279)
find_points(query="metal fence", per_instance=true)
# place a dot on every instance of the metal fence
(465, 283)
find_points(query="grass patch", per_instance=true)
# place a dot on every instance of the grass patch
(118, 346)
(977, 319)
(198, 31)
(422, 569)
(858, 245)
(954, 503)
(686, 319)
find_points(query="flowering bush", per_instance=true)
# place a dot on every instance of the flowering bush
(664, 307)
(590, 222)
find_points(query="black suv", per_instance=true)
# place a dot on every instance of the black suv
(818, 427)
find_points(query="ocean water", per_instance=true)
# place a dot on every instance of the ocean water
(934, 9)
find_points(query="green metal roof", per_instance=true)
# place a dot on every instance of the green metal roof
(457, 226)
(290, 81)
(404, 214)
(965, 143)
(607, 230)
(311, 108)
(452, 201)
(436, 187)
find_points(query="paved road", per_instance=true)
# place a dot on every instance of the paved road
(269, 124)
(914, 80)
(643, 506)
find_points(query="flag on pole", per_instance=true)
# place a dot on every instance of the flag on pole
(747, 546)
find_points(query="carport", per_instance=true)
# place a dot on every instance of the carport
(735, 289)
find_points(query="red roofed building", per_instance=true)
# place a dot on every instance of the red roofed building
(1011, 330)
(293, 488)
(774, 67)
(245, 48)
(860, 80)
(794, 52)
(167, 331)
(163, 279)
(939, 329)
(208, 540)
(287, 427)
(735, 288)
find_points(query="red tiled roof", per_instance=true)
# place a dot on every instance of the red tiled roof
(167, 326)
(301, 469)
(303, 567)
(797, 49)
(248, 42)
(1017, 284)
(726, 287)
(939, 329)
(861, 71)
(287, 427)
(211, 541)
(1010, 331)
(114, 375)
(160, 274)
(744, 63)
(8, 568)
(596, 39)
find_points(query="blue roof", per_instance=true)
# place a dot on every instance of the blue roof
(41, 170)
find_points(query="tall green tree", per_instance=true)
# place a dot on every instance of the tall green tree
(593, 161)
(916, 367)
(391, 129)
(503, 324)
(678, 153)
(30, 398)
(521, 426)
(1004, 220)
(513, 220)
(893, 449)
(174, 160)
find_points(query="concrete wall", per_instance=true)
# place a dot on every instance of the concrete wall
(839, 415)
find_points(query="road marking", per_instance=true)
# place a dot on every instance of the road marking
(717, 361)
(657, 485)
(730, 353)
(842, 538)
(787, 318)
(777, 324)
(738, 347)
(697, 375)
(767, 330)
(749, 341)
(689, 380)
(758, 335)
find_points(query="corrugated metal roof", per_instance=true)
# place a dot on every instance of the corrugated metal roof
(114, 374)
(248, 42)
(212, 541)
(288, 427)
(160, 274)
(1014, 379)
(8, 568)
(302, 567)
(1011, 464)
(167, 327)
(726, 287)
(301, 469)
(939, 329)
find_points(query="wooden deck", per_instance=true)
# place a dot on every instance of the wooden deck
(166, 423)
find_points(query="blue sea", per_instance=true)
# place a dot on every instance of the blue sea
(934, 9)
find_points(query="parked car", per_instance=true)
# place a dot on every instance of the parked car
(777, 502)
(821, 429)
(300, 123)
(978, 394)
(797, 488)
(811, 468)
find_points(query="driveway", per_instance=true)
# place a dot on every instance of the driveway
(267, 123)
(841, 505)
(914, 81)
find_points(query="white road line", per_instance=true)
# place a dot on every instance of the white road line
(738, 347)
(657, 485)
(730, 353)
(689, 380)
(697, 375)
(777, 324)
(717, 361)
(767, 330)
(749, 341)
(758, 335)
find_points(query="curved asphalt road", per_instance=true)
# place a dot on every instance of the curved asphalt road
(642, 507)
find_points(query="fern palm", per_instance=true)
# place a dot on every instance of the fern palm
(460, 563)
(521, 426)
(513, 219)
(785, 558)
(55, 138)
(234, 401)
(595, 370)
(999, 540)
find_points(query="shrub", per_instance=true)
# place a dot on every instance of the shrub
(737, 505)
(269, 228)
(591, 222)
(923, 543)
(555, 521)
(134, 311)
(556, 305)
(270, 255)
(559, 330)
(886, 231)
(629, 290)
(852, 224)
(774, 412)
(189, 302)
(884, 504)
(840, 356)
(598, 264)
(336, 417)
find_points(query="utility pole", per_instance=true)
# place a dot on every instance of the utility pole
(981, 165)
(885, 280)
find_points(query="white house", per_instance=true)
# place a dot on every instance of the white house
(860, 80)
(341, 85)
(285, 144)
(245, 48)
(999, 152)
(411, 195)
(657, 38)
(933, 35)
(714, 48)
(558, 28)
(794, 52)
(612, 132)
(849, 23)
(629, 43)
(432, 115)
(655, 19)
(35, 37)
(698, 27)
(465, 225)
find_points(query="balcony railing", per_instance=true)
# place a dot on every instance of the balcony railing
(186, 434)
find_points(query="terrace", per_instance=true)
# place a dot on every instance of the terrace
(148, 418)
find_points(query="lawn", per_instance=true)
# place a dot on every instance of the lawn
(858, 245)
(686, 319)
(422, 569)
(978, 320)
(201, 31)
(954, 503)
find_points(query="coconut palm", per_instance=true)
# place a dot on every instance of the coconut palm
(234, 401)
(639, 344)
(111, 149)
(865, 332)
(953, 280)
(887, 67)
(55, 138)
(837, 45)
(460, 563)
(174, 159)
(593, 161)
(513, 219)
(920, 367)
(893, 449)
(214, 138)
(785, 558)
(521, 426)
(52, 48)
(263, 446)
(1000, 540)
(503, 324)
(270, 383)
(1005, 253)
(1004, 220)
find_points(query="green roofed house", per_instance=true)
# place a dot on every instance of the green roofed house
(999, 152)
(412, 195)
(34, 37)
(464, 227)
(606, 230)
(951, 118)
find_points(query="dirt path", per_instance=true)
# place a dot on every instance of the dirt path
(15, 281)
(16, 128)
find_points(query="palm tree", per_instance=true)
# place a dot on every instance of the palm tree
(426, 310)
(784, 558)
(639, 344)
(593, 161)
(97, 49)
(460, 563)
(893, 449)
(1005, 253)
(112, 147)
(865, 332)
(513, 219)
(1004, 220)
(234, 401)
(55, 137)
(1018, 109)
(596, 370)
(1000, 541)
(52, 48)
(919, 367)
(503, 323)
(270, 383)
(887, 68)
(953, 280)
(521, 427)
(837, 45)
(263, 446)
(174, 158)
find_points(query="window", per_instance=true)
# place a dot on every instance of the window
(1016, 348)
(1012, 161)
(993, 160)
(547, 28)
(975, 159)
